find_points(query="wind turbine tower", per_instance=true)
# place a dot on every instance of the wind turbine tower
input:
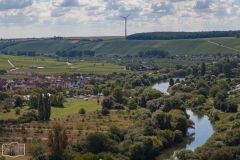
(125, 24)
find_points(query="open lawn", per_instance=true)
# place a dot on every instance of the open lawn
(54, 67)
(73, 106)
(11, 114)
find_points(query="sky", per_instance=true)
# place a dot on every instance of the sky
(72, 18)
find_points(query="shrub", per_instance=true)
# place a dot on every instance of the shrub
(17, 110)
(82, 111)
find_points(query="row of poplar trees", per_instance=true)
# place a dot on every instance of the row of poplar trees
(44, 107)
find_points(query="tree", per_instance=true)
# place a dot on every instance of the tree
(3, 95)
(18, 101)
(203, 69)
(57, 141)
(184, 154)
(118, 94)
(171, 82)
(33, 100)
(44, 107)
(195, 71)
(107, 102)
(227, 69)
(95, 142)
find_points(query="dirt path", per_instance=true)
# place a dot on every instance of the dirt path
(97, 46)
(11, 63)
(220, 45)
(69, 63)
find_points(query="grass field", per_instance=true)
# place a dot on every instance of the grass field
(123, 46)
(53, 67)
(70, 108)
(73, 106)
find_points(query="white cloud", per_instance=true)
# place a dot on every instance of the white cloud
(102, 17)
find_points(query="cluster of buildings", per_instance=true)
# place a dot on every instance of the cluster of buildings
(50, 81)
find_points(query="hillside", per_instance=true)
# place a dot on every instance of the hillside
(123, 46)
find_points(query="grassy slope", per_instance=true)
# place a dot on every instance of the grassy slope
(53, 67)
(121, 46)
(191, 46)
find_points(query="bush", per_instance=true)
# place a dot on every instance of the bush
(17, 110)
(82, 111)
(105, 111)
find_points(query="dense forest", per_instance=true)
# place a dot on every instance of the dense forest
(181, 35)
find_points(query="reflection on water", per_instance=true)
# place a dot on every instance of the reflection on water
(163, 85)
(195, 137)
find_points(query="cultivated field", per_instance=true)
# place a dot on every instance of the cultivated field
(53, 67)
(123, 46)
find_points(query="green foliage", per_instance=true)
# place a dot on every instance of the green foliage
(18, 110)
(57, 100)
(162, 120)
(3, 95)
(171, 82)
(57, 141)
(18, 101)
(36, 150)
(44, 106)
(203, 69)
(184, 154)
(105, 111)
(118, 94)
(232, 137)
(201, 84)
(178, 136)
(132, 104)
(89, 156)
(201, 99)
(167, 137)
(107, 102)
(33, 100)
(82, 111)
(97, 142)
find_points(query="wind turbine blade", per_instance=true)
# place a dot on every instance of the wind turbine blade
(128, 15)
(122, 17)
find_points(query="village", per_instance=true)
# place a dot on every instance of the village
(64, 81)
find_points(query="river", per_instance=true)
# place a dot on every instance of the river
(195, 137)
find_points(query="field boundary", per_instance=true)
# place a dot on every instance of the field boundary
(224, 46)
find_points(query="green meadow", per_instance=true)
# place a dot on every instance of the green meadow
(70, 108)
(73, 106)
(54, 67)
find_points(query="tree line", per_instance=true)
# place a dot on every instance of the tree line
(153, 53)
(75, 53)
(181, 35)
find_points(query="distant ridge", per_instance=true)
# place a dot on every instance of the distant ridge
(181, 35)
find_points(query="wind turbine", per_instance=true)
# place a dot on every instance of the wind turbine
(125, 24)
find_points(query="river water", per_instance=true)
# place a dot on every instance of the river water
(195, 137)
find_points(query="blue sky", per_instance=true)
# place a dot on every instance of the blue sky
(237, 2)
(46, 18)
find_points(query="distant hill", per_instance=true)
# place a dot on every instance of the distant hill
(181, 35)
(122, 46)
